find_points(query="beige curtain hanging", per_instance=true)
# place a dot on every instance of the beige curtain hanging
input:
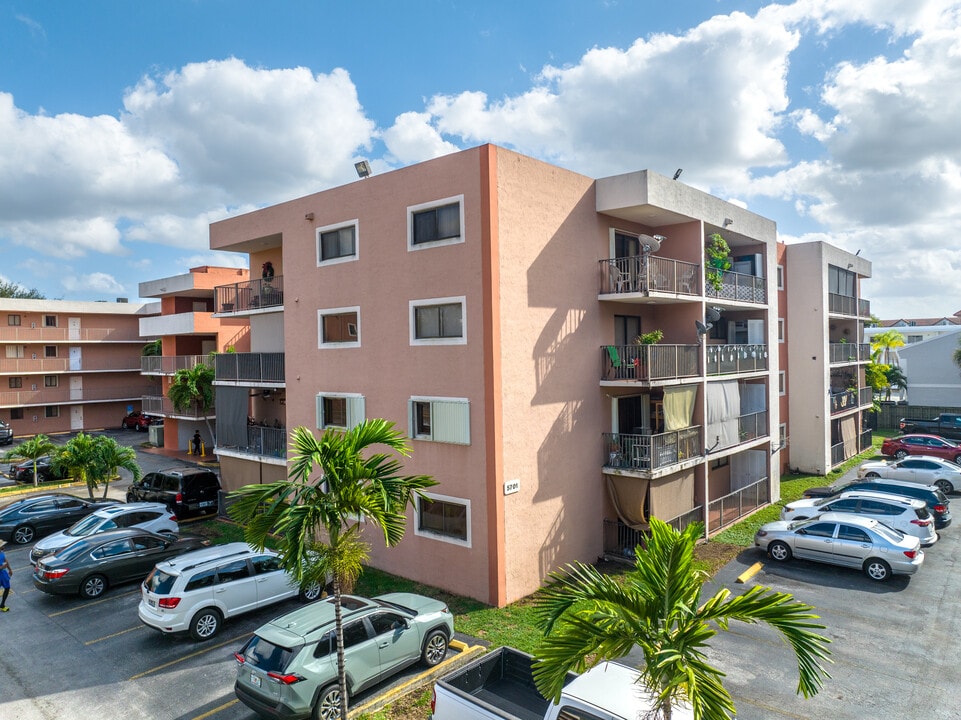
(672, 496)
(849, 436)
(679, 406)
(629, 495)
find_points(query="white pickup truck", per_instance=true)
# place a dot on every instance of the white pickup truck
(499, 686)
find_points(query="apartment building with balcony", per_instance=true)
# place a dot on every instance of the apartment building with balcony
(70, 365)
(488, 304)
(829, 396)
(189, 332)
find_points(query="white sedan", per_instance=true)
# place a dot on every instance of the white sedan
(919, 469)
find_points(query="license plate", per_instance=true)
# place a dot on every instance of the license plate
(254, 680)
(151, 602)
(208, 503)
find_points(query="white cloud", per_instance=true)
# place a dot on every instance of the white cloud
(412, 139)
(97, 282)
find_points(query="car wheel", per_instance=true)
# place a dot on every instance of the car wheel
(877, 569)
(23, 534)
(872, 474)
(124, 426)
(901, 454)
(435, 648)
(779, 551)
(93, 587)
(311, 592)
(944, 486)
(328, 704)
(205, 624)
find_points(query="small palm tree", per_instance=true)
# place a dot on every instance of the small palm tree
(349, 488)
(32, 449)
(192, 388)
(80, 458)
(112, 456)
(588, 617)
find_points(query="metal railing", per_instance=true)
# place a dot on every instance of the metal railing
(651, 452)
(865, 440)
(864, 308)
(41, 395)
(865, 396)
(752, 426)
(621, 541)
(735, 286)
(250, 367)
(170, 364)
(844, 401)
(161, 405)
(65, 364)
(649, 362)
(848, 305)
(250, 295)
(848, 352)
(733, 506)
(267, 441)
(28, 335)
(647, 274)
(730, 359)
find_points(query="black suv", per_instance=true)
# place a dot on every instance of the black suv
(186, 491)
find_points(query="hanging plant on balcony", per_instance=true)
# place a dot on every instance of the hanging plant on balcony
(718, 259)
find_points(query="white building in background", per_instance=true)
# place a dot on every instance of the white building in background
(932, 376)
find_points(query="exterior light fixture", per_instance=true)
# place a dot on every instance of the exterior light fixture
(362, 168)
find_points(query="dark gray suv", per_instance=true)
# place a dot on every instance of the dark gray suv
(188, 492)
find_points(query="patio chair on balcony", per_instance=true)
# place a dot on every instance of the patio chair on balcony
(620, 280)
(615, 368)
(687, 282)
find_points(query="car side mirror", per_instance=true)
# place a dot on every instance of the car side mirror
(802, 531)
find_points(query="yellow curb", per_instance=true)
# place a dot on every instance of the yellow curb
(750, 572)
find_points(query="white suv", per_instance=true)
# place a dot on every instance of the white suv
(195, 592)
(908, 515)
(147, 515)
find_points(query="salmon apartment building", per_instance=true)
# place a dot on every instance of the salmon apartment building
(491, 305)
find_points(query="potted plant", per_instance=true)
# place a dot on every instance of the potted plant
(718, 259)
(651, 338)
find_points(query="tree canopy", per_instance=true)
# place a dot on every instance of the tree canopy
(14, 290)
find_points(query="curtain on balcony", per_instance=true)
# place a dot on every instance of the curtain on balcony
(679, 406)
(672, 496)
(849, 436)
(629, 495)
(723, 411)
(232, 411)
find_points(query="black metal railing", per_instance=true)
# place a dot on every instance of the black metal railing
(647, 274)
(735, 286)
(864, 308)
(844, 401)
(730, 359)
(865, 440)
(649, 362)
(621, 541)
(733, 506)
(846, 352)
(651, 452)
(250, 367)
(250, 295)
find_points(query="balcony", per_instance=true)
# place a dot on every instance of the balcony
(25, 335)
(261, 441)
(170, 364)
(752, 426)
(738, 287)
(849, 352)
(620, 540)
(651, 452)
(733, 359)
(647, 363)
(161, 405)
(847, 305)
(184, 323)
(65, 395)
(733, 506)
(250, 295)
(249, 368)
(642, 275)
(50, 365)
(864, 308)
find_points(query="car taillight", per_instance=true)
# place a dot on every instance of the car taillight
(239, 658)
(922, 523)
(173, 517)
(911, 554)
(168, 603)
(285, 679)
(179, 499)
(940, 509)
(55, 574)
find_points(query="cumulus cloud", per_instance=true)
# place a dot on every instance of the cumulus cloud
(97, 282)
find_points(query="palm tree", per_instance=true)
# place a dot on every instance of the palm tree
(887, 341)
(349, 492)
(80, 458)
(32, 449)
(894, 376)
(112, 456)
(193, 389)
(588, 617)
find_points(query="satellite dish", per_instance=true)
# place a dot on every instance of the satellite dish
(713, 314)
(702, 328)
(651, 243)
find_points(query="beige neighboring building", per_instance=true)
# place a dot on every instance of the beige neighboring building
(828, 394)
(70, 365)
(189, 333)
(488, 304)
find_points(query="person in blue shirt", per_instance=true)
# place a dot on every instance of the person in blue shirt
(5, 572)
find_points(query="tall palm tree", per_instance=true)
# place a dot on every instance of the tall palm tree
(80, 458)
(319, 519)
(588, 617)
(193, 389)
(885, 342)
(112, 456)
(32, 449)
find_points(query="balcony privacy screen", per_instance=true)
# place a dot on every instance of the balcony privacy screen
(672, 496)
(723, 411)
(679, 407)
(232, 411)
(628, 495)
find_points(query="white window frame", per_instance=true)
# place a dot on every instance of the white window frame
(780, 330)
(337, 311)
(438, 536)
(782, 435)
(780, 277)
(441, 431)
(355, 223)
(355, 409)
(413, 209)
(782, 383)
(414, 304)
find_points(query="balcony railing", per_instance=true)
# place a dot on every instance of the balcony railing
(865, 396)
(170, 364)
(66, 364)
(647, 274)
(865, 440)
(161, 405)
(864, 308)
(737, 286)
(29, 335)
(249, 367)
(729, 359)
(250, 295)
(63, 394)
(651, 452)
(847, 305)
(649, 362)
(849, 352)
(733, 506)
(267, 441)
(621, 541)
(752, 426)
(845, 401)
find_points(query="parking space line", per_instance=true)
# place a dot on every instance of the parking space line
(113, 635)
(187, 657)
(91, 604)
(214, 711)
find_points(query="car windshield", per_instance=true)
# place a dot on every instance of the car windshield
(88, 525)
(889, 533)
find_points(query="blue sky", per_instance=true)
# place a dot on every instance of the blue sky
(126, 128)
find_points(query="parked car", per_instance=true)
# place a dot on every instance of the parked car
(938, 504)
(922, 470)
(24, 520)
(186, 491)
(6, 433)
(96, 562)
(901, 513)
(148, 516)
(289, 667)
(47, 471)
(197, 591)
(929, 445)
(852, 541)
(138, 421)
(945, 424)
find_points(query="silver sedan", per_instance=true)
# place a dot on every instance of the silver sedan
(847, 540)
